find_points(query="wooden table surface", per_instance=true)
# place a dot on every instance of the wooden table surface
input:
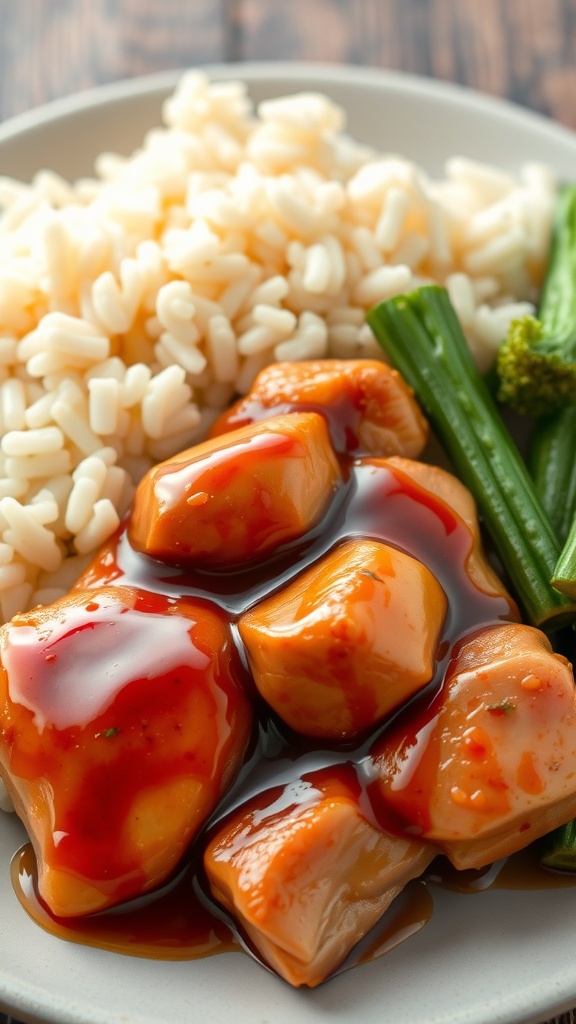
(523, 50)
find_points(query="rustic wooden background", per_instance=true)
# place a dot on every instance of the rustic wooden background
(522, 50)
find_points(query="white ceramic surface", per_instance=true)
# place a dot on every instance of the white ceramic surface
(502, 957)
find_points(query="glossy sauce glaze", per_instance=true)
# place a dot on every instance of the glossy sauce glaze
(373, 500)
(180, 921)
(376, 501)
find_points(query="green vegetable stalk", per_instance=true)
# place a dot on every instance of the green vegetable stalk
(536, 366)
(552, 462)
(536, 363)
(559, 848)
(421, 335)
(564, 575)
(552, 465)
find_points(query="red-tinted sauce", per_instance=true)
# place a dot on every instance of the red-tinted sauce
(375, 502)
(173, 924)
(178, 922)
(105, 730)
(342, 414)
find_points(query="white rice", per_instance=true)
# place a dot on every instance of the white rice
(135, 304)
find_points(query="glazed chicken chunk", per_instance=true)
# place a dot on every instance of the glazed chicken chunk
(348, 641)
(368, 405)
(124, 721)
(307, 874)
(490, 765)
(235, 499)
(300, 572)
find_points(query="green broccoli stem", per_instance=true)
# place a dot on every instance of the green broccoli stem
(422, 337)
(557, 307)
(558, 850)
(564, 575)
(552, 465)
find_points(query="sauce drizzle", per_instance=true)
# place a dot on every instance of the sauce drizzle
(179, 921)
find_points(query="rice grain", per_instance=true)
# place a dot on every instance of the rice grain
(135, 304)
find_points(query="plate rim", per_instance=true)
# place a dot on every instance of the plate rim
(154, 85)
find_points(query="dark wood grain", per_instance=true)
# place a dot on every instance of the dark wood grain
(49, 50)
(522, 50)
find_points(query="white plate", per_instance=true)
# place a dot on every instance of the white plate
(503, 957)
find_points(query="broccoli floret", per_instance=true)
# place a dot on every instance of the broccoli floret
(534, 375)
(536, 363)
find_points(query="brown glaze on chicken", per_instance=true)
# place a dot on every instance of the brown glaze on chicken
(301, 571)
(490, 764)
(349, 641)
(123, 722)
(369, 407)
(235, 499)
(307, 873)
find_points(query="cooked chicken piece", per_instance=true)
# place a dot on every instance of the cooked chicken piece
(368, 405)
(490, 764)
(348, 641)
(307, 874)
(234, 499)
(449, 489)
(122, 722)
